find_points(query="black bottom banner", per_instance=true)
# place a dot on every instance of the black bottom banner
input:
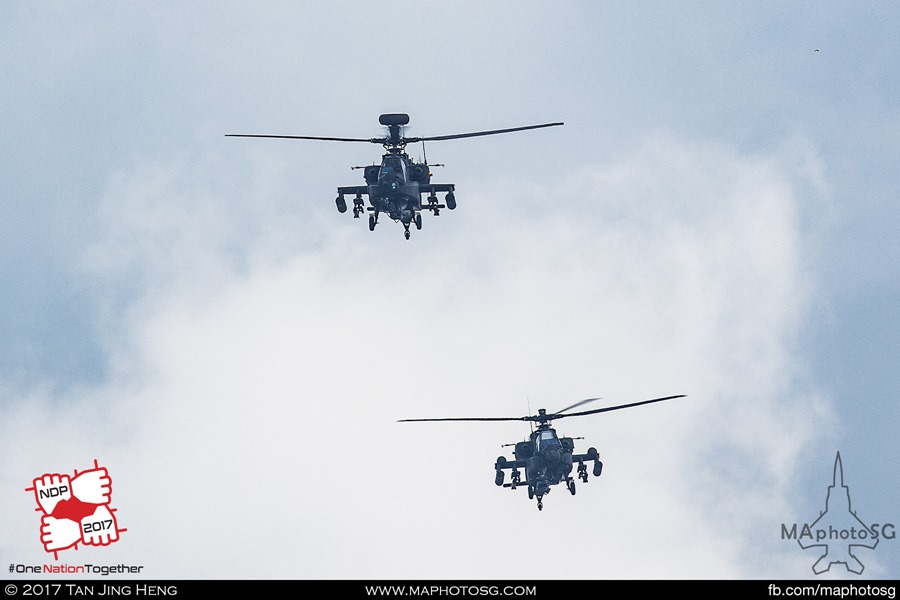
(190, 588)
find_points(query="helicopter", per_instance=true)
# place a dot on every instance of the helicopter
(395, 187)
(547, 458)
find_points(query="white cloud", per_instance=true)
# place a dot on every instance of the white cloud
(259, 389)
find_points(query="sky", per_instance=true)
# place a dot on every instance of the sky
(716, 218)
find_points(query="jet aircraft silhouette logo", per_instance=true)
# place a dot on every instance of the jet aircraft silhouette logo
(76, 509)
(838, 531)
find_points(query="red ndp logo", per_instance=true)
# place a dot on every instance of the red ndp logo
(75, 509)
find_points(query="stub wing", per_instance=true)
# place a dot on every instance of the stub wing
(591, 455)
(503, 463)
(354, 189)
(432, 188)
(519, 473)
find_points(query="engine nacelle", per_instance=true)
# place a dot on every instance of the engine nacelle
(371, 174)
(524, 450)
(419, 174)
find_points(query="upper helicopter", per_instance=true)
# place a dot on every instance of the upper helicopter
(547, 458)
(395, 187)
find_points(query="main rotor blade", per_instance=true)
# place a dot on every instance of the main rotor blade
(467, 419)
(457, 136)
(309, 137)
(621, 406)
(551, 417)
(577, 404)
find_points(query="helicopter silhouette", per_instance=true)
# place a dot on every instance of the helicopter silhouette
(547, 458)
(395, 187)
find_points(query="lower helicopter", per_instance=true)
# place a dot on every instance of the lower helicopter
(546, 458)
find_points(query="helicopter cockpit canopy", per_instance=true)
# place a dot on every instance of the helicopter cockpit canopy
(392, 165)
(546, 439)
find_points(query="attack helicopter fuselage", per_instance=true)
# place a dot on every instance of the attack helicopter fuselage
(395, 189)
(547, 460)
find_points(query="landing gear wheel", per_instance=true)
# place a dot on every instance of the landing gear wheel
(572, 487)
(419, 221)
(530, 492)
(371, 222)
